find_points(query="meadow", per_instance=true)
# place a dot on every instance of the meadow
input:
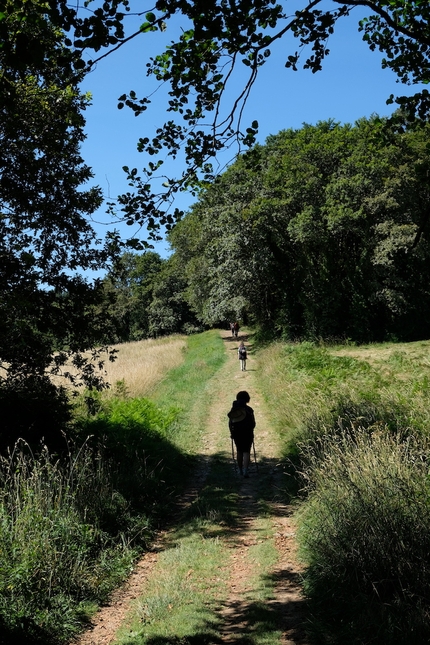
(354, 425)
(72, 527)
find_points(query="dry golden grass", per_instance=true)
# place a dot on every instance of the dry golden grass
(141, 365)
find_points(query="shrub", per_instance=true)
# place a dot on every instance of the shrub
(35, 410)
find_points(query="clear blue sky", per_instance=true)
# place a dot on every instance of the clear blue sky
(351, 85)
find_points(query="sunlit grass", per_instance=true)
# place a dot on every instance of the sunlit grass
(185, 599)
(56, 559)
(356, 427)
(365, 537)
(180, 596)
(139, 366)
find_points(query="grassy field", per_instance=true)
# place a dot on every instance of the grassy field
(139, 366)
(70, 529)
(354, 426)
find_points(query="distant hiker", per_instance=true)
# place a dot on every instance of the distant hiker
(241, 423)
(232, 328)
(241, 354)
(236, 329)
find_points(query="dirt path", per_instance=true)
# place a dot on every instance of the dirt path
(286, 604)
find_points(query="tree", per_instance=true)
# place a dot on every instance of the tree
(323, 232)
(47, 47)
(218, 38)
(48, 314)
(169, 312)
(132, 285)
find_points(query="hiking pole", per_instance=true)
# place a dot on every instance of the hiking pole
(232, 455)
(255, 456)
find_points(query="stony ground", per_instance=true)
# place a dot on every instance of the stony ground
(287, 602)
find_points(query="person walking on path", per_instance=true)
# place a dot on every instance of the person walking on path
(236, 329)
(241, 423)
(242, 355)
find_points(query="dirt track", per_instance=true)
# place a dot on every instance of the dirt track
(287, 602)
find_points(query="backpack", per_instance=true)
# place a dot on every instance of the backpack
(242, 352)
(237, 413)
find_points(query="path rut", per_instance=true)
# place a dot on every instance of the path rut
(286, 604)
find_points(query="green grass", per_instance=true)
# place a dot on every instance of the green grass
(55, 562)
(365, 538)
(182, 601)
(186, 387)
(180, 596)
(70, 529)
(355, 422)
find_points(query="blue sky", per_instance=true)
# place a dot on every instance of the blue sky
(351, 85)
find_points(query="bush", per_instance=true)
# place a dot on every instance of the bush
(53, 551)
(35, 410)
(71, 526)
(136, 436)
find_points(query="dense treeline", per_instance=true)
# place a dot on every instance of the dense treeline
(322, 232)
(147, 296)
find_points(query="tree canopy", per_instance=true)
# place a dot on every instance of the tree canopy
(322, 232)
(48, 314)
(218, 37)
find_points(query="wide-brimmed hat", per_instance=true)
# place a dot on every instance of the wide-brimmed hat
(237, 414)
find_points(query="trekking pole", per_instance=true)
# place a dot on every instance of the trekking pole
(255, 456)
(232, 455)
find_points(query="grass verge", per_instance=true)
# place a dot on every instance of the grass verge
(187, 599)
(355, 427)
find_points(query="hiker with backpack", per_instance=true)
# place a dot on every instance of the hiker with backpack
(241, 423)
(242, 355)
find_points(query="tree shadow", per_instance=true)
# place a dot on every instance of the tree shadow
(244, 623)
(230, 501)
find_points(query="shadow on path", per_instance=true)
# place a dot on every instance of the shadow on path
(233, 505)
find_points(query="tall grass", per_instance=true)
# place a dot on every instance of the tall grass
(139, 366)
(355, 421)
(55, 558)
(365, 537)
(71, 528)
(143, 364)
